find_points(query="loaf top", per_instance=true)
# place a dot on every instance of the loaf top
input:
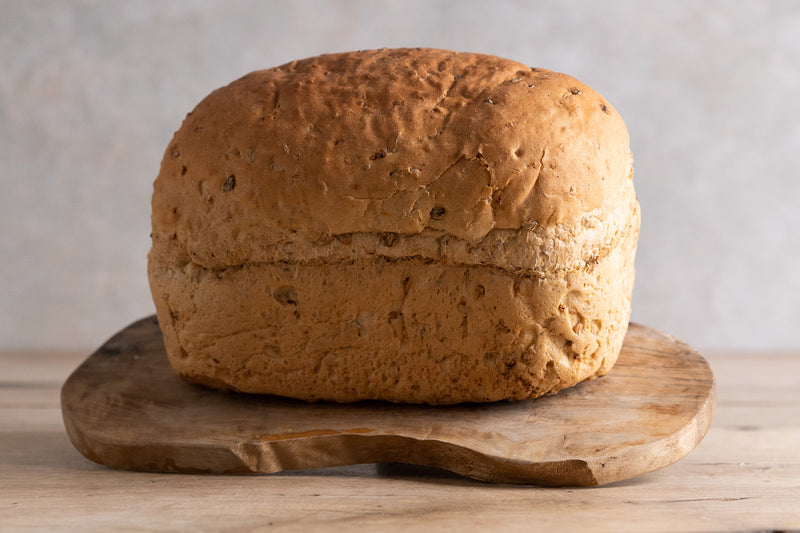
(391, 140)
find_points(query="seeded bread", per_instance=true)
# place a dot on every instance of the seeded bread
(409, 225)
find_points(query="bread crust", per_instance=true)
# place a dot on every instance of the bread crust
(292, 204)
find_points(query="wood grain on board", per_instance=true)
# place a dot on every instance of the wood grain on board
(124, 407)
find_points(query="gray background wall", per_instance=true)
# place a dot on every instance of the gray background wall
(91, 92)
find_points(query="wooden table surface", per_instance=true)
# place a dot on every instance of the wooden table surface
(745, 475)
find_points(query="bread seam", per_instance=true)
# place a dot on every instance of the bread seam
(596, 253)
(416, 259)
(507, 248)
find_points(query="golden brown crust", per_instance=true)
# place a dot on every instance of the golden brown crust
(420, 164)
(387, 141)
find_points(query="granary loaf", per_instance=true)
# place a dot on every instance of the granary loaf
(410, 225)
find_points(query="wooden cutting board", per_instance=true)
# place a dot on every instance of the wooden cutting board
(125, 408)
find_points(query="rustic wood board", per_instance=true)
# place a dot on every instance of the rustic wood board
(124, 407)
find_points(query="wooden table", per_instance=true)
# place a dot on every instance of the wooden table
(744, 476)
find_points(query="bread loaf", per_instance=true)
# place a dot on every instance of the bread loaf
(410, 225)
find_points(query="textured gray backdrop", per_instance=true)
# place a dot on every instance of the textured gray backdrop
(90, 93)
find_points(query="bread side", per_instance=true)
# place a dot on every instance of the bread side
(401, 329)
